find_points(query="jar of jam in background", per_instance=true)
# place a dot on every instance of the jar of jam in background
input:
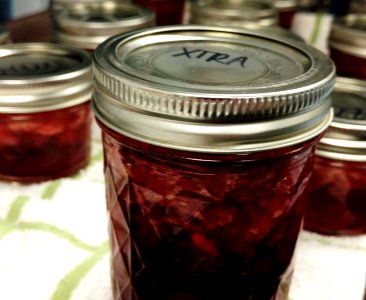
(4, 36)
(45, 114)
(87, 25)
(347, 45)
(209, 136)
(337, 190)
(237, 13)
(168, 12)
(286, 12)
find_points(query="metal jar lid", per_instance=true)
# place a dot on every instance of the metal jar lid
(211, 89)
(39, 77)
(58, 5)
(87, 25)
(348, 34)
(212, 12)
(285, 4)
(4, 35)
(345, 139)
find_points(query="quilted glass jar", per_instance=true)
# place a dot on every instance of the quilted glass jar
(347, 45)
(44, 111)
(209, 137)
(337, 190)
(86, 25)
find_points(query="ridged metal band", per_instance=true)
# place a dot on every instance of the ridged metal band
(208, 108)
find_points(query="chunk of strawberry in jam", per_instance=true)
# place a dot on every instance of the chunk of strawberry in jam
(204, 226)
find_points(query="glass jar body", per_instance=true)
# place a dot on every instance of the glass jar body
(168, 12)
(337, 197)
(348, 65)
(285, 17)
(187, 225)
(46, 145)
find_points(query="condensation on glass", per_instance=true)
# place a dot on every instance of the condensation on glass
(347, 45)
(209, 136)
(44, 111)
(86, 25)
(337, 190)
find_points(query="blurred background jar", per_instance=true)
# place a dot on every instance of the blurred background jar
(26, 21)
(45, 114)
(233, 12)
(86, 25)
(337, 189)
(4, 36)
(347, 45)
(168, 12)
(286, 12)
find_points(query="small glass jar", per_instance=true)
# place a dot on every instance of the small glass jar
(238, 13)
(286, 12)
(347, 45)
(86, 25)
(44, 111)
(168, 12)
(4, 36)
(337, 190)
(209, 136)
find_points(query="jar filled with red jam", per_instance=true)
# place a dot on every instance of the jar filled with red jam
(347, 45)
(86, 25)
(168, 12)
(337, 190)
(286, 12)
(44, 111)
(209, 136)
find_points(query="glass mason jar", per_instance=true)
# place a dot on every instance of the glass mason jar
(4, 36)
(337, 190)
(44, 111)
(286, 12)
(208, 138)
(347, 45)
(87, 25)
(233, 12)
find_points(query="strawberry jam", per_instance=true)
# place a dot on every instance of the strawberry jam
(46, 145)
(194, 226)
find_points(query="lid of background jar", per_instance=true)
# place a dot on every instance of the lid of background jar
(209, 12)
(345, 139)
(4, 35)
(87, 25)
(211, 89)
(285, 4)
(58, 5)
(348, 34)
(38, 77)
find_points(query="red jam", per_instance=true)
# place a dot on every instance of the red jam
(44, 145)
(285, 18)
(348, 65)
(199, 226)
(337, 197)
(168, 12)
